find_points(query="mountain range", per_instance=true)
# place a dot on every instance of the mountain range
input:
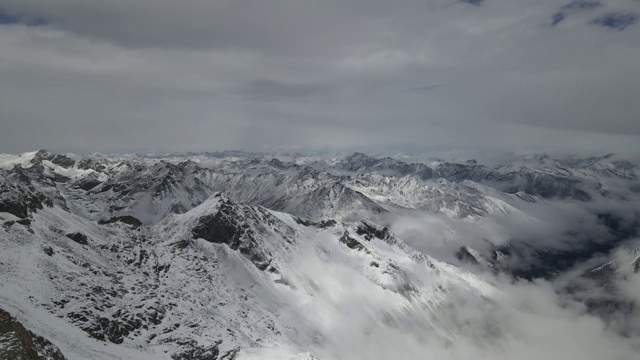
(235, 255)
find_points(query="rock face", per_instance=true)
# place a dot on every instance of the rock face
(370, 230)
(80, 238)
(18, 343)
(126, 219)
(231, 225)
(18, 200)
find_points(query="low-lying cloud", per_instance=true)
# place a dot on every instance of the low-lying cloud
(516, 320)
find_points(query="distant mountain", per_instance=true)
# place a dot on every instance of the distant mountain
(152, 187)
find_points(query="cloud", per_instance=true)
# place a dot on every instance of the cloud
(586, 311)
(11, 19)
(423, 88)
(8, 19)
(616, 21)
(207, 75)
(523, 320)
(266, 88)
(557, 225)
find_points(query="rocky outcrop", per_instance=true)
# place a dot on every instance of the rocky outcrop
(352, 243)
(126, 219)
(18, 343)
(18, 200)
(229, 226)
(114, 329)
(369, 230)
(78, 237)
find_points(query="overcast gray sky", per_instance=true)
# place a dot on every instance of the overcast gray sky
(164, 75)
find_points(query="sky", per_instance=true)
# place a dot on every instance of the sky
(203, 75)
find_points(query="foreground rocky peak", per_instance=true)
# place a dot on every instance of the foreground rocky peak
(18, 343)
(217, 279)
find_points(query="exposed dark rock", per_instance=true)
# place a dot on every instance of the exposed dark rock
(63, 161)
(322, 224)
(48, 250)
(218, 229)
(369, 231)
(24, 222)
(87, 164)
(45, 200)
(78, 237)
(116, 327)
(42, 155)
(464, 255)
(230, 355)
(228, 226)
(352, 243)
(88, 184)
(327, 223)
(8, 224)
(116, 330)
(127, 219)
(181, 244)
(277, 164)
(196, 352)
(18, 343)
(305, 222)
(16, 199)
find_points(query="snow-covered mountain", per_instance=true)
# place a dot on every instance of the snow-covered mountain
(152, 187)
(236, 256)
(218, 279)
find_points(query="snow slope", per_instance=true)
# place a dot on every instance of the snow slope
(221, 278)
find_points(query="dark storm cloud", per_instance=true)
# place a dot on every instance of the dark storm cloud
(203, 75)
